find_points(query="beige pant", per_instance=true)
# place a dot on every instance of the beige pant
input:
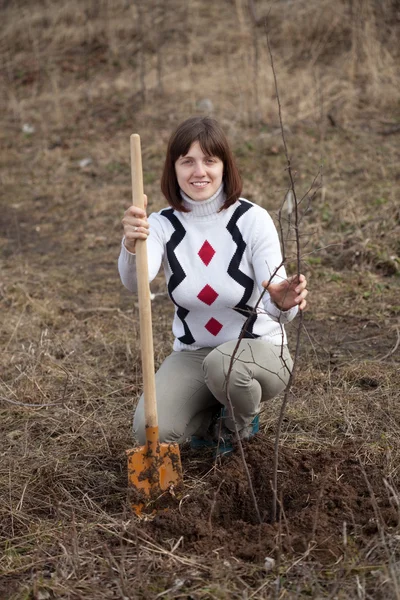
(191, 387)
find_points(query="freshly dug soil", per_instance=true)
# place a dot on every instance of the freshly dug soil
(329, 499)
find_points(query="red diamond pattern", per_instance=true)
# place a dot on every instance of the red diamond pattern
(207, 295)
(206, 253)
(213, 326)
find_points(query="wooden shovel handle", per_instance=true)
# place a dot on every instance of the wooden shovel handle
(146, 332)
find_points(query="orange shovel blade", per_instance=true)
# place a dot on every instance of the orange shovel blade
(151, 473)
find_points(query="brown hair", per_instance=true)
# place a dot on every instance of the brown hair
(213, 142)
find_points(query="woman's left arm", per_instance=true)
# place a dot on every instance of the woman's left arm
(284, 295)
(288, 293)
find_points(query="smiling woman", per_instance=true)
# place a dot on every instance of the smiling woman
(218, 251)
(199, 139)
(199, 175)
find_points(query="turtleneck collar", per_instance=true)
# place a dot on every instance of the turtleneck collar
(204, 208)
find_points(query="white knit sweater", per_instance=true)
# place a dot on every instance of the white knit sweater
(214, 263)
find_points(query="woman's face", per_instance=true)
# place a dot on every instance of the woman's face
(198, 175)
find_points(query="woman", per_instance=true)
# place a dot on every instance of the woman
(218, 251)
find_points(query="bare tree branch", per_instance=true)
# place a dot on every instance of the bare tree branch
(298, 253)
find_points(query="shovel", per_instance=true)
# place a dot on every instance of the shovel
(153, 468)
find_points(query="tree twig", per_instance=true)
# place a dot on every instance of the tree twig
(36, 406)
(229, 400)
(298, 254)
(393, 350)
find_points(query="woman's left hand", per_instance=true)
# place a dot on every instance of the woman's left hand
(288, 293)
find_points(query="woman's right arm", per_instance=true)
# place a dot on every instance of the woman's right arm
(137, 227)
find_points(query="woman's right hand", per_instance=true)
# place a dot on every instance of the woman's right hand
(135, 225)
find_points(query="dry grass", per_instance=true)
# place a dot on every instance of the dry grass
(87, 74)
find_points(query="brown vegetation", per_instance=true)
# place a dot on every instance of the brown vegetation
(78, 78)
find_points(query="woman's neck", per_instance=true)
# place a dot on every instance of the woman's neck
(204, 208)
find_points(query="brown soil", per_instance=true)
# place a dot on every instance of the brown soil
(327, 498)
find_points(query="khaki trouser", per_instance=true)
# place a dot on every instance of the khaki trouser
(191, 387)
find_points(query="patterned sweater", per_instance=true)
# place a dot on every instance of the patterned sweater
(214, 263)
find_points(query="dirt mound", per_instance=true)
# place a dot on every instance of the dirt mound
(327, 498)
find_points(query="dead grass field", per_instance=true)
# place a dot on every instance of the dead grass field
(77, 79)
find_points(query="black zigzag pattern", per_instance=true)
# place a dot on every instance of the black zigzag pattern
(238, 275)
(178, 274)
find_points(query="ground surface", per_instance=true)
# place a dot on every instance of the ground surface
(84, 76)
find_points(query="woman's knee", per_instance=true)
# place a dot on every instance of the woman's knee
(216, 367)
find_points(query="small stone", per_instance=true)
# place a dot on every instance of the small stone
(205, 105)
(178, 583)
(28, 129)
(85, 162)
(269, 563)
